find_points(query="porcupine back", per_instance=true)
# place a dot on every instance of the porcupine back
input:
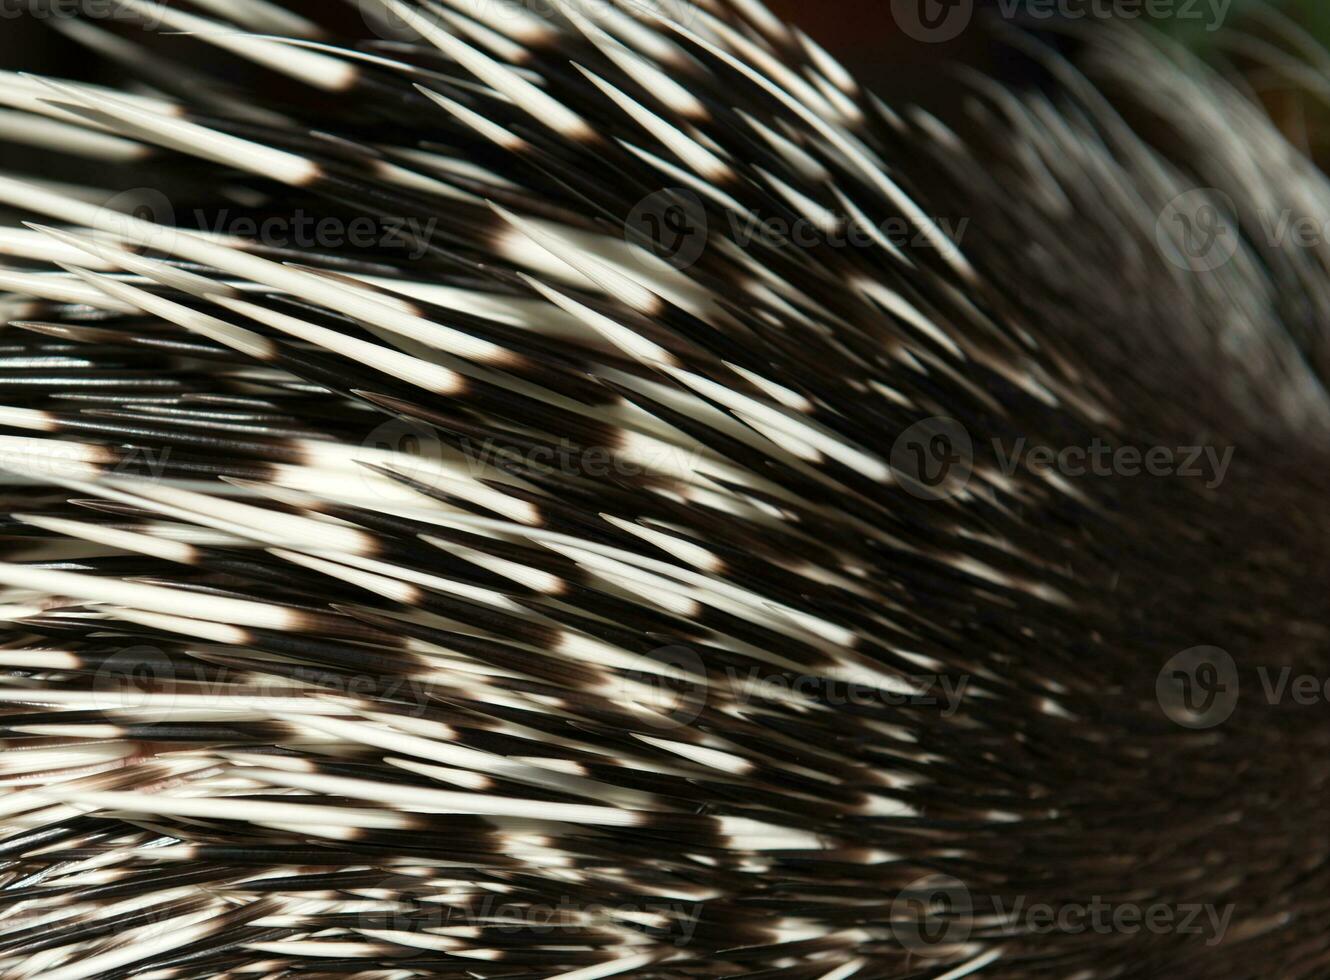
(545, 583)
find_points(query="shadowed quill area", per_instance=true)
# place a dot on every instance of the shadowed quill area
(593, 491)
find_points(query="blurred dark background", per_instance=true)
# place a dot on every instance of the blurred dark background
(872, 37)
(866, 34)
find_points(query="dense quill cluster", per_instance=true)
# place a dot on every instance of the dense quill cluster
(517, 595)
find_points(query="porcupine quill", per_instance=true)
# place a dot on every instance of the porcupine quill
(481, 600)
